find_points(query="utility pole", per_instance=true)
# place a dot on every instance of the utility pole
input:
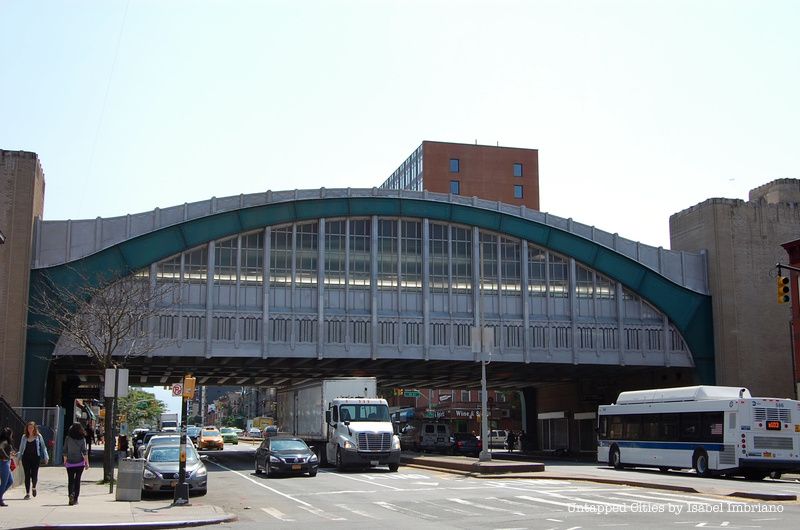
(182, 488)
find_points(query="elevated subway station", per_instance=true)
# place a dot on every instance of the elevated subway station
(278, 287)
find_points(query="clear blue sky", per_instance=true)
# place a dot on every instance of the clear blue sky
(639, 109)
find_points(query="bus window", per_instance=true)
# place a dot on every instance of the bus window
(690, 427)
(650, 426)
(615, 428)
(712, 427)
(632, 427)
(669, 427)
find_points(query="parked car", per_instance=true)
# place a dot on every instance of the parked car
(464, 443)
(161, 470)
(498, 438)
(254, 432)
(210, 439)
(193, 432)
(140, 444)
(287, 455)
(270, 430)
(229, 436)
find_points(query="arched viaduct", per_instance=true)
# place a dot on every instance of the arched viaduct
(283, 286)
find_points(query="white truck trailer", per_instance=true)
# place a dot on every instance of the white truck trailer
(168, 422)
(342, 420)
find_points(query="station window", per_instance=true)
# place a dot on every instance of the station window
(455, 187)
(455, 165)
(517, 191)
(517, 170)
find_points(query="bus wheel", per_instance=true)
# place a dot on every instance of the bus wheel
(701, 464)
(614, 459)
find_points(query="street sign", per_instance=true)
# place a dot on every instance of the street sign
(122, 382)
(177, 389)
(411, 393)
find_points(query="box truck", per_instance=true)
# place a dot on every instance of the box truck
(168, 422)
(342, 420)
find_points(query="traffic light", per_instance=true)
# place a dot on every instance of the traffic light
(784, 291)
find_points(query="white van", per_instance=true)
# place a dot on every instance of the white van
(434, 437)
(498, 438)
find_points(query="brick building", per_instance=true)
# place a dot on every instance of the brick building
(506, 174)
(21, 204)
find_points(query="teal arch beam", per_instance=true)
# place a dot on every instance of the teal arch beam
(690, 312)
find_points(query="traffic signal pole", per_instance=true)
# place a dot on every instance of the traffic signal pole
(182, 488)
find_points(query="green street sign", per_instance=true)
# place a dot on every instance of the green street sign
(411, 393)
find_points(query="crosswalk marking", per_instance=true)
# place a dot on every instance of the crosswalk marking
(451, 509)
(546, 501)
(399, 509)
(277, 514)
(586, 501)
(484, 506)
(357, 512)
(325, 515)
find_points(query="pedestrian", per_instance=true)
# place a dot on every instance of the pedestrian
(7, 455)
(34, 454)
(511, 441)
(523, 441)
(75, 460)
(89, 438)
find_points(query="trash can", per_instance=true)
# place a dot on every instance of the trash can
(130, 477)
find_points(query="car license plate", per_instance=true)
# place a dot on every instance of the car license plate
(296, 467)
(373, 462)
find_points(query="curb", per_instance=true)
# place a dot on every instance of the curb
(154, 525)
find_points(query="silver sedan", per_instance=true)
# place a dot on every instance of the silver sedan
(161, 469)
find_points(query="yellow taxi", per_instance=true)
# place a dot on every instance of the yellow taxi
(209, 439)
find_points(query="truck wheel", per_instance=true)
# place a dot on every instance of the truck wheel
(339, 464)
(394, 467)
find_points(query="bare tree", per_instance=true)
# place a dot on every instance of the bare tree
(106, 317)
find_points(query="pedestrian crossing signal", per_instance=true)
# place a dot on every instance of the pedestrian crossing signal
(784, 291)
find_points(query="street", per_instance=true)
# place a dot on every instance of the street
(421, 498)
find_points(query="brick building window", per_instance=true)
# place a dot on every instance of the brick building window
(517, 191)
(517, 170)
(455, 165)
(455, 187)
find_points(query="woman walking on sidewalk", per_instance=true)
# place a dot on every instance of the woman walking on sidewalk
(34, 453)
(75, 460)
(6, 455)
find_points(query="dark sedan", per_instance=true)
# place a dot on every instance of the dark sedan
(464, 443)
(285, 455)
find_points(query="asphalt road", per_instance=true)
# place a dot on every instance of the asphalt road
(416, 498)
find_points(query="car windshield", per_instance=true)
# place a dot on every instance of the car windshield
(226, 430)
(364, 413)
(192, 430)
(171, 454)
(210, 433)
(160, 440)
(288, 445)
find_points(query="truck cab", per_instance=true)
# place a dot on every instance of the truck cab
(360, 434)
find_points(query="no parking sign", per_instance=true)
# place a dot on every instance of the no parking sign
(177, 389)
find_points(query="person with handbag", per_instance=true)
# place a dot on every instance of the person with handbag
(7, 455)
(76, 460)
(34, 453)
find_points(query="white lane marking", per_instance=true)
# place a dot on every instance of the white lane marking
(357, 512)
(257, 483)
(555, 520)
(458, 511)
(426, 483)
(585, 501)
(324, 515)
(677, 498)
(545, 501)
(399, 509)
(277, 514)
(485, 506)
(369, 482)
(337, 492)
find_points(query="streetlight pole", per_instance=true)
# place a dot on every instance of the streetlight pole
(485, 455)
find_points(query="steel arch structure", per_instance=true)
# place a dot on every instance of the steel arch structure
(356, 277)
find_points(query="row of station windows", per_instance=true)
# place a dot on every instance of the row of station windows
(294, 254)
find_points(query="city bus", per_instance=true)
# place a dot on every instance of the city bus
(714, 430)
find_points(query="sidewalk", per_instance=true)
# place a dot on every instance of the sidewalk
(97, 508)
